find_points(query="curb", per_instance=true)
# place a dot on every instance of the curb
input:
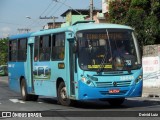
(150, 95)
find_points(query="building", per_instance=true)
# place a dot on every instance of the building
(52, 25)
(74, 15)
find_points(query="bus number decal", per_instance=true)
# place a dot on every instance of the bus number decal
(127, 77)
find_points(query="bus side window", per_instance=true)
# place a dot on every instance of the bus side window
(36, 58)
(58, 50)
(44, 48)
(13, 50)
(22, 49)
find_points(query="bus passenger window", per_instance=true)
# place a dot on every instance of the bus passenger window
(44, 48)
(22, 49)
(58, 49)
(36, 44)
(13, 50)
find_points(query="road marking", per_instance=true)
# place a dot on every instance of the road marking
(40, 102)
(16, 101)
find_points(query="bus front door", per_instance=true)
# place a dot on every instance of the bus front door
(72, 63)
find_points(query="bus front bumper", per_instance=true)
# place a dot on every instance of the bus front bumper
(88, 93)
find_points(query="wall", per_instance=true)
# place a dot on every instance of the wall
(151, 66)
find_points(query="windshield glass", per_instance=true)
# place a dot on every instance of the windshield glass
(107, 50)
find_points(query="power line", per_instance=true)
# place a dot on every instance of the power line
(52, 17)
(67, 6)
(46, 8)
(51, 9)
(59, 7)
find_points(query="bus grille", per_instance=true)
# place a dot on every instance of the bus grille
(110, 84)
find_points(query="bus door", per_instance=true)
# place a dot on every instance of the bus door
(72, 63)
(30, 64)
(72, 68)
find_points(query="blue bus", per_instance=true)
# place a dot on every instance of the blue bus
(78, 62)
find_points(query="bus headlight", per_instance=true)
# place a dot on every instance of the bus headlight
(138, 79)
(87, 81)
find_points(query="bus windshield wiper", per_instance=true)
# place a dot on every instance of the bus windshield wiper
(102, 65)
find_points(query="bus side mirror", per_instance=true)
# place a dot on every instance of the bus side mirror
(70, 36)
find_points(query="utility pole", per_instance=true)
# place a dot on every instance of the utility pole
(91, 9)
(52, 17)
(22, 30)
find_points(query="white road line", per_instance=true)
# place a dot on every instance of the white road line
(16, 101)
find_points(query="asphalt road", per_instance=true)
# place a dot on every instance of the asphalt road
(139, 108)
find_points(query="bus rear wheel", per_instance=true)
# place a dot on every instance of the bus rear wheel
(24, 93)
(62, 95)
(116, 101)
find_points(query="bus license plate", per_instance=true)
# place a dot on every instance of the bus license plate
(114, 91)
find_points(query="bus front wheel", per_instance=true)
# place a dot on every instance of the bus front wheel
(62, 95)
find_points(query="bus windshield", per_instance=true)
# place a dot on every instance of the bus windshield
(107, 50)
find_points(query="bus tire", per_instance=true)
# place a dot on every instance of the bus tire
(34, 97)
(62, 95)
(116, 101)
(24, 94)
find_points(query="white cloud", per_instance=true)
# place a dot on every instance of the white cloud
(5, 32)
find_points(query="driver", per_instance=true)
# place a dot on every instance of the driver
(119, 51)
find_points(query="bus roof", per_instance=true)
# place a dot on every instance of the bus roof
(76, 27)
(49, 31)
(81, 26)
(20, 36)
(85, 26)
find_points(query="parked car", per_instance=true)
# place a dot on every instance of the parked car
(3, 70)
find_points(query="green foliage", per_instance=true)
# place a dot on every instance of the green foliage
(151, 31)
(3, 51)
(143, 4)
(142, 15)
(118, 11)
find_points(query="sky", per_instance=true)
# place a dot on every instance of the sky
(13, 13)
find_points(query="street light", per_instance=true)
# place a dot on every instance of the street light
(28, 17)
(33, 21)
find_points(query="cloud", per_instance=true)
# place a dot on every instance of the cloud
(5, 32)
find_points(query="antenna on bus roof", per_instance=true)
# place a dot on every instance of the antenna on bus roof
(83, 21)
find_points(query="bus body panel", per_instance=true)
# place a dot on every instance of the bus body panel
(103, 93)
(127, 88)
(14, 76)
(45, 77)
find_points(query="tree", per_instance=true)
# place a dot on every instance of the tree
(142, 15)
(117, 11)
(3, 51)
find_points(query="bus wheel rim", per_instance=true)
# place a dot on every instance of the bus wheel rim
(63, 93)
(23, 91)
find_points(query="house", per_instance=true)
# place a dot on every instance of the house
(74, 15)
